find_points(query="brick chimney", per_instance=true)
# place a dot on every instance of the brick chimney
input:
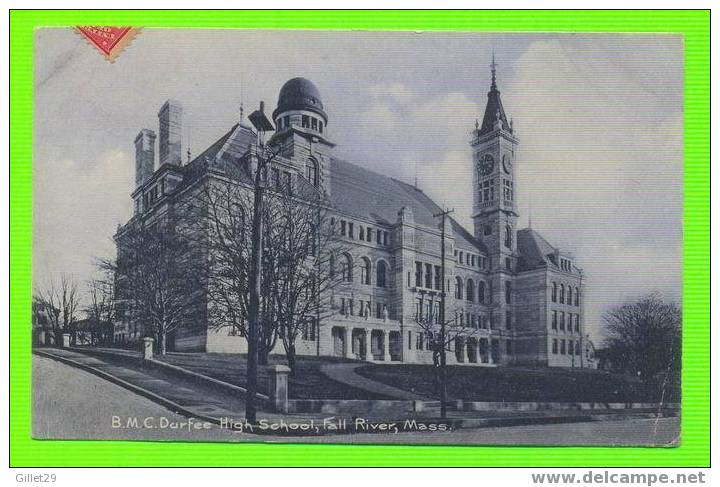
(170, 117)
(144, 156)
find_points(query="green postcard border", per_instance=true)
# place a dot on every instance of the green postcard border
(694, 449)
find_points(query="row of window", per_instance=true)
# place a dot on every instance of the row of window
(365, 234)
(364, 308)
(346, 270)
(566, 295)
(150, 196)
(487, 190)
(471, 260)
(566, 265)
(306, 121)
(558, 321)
(484, 296)
(565, 348)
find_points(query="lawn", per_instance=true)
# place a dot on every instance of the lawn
(307, 383)
(520, 384)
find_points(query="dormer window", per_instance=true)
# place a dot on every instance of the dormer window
(305, 121)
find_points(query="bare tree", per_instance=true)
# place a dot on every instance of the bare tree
(59, 301)
(100, 311)
(643, 337)
(160, 275)
(456, 328)
(301, 251)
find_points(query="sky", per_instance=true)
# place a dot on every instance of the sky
(599, 118)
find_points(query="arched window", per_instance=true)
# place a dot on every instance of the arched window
(577, 297)
(311, 171)
(481, 292)
(365, 271)
(381, 273)
(554, 292)
(458, 288)
(470, 290)
(347, 268)
(562, 293)
(508, 236)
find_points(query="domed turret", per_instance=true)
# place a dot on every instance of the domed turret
(300, 105)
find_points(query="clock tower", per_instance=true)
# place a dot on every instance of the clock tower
(494, 208)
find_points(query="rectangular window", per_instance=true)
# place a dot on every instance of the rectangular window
(555, 346)
(378, 237)
(554, 320)
(351, 306)
(508, 347)
(438, 281)
(460, 259)
(313, 123)
(418, 274)
(305, 121)
(409, 340)
(343, 230)
(577, 323)
(562, 320)
(361, 232)
(369, 234)
(562, 347)
(351, 230)
(419, 341)
(287, 181)
(386, 238)
(320, 124)
(508, 320)
(378, 310)
(428, 276)
(508, 292)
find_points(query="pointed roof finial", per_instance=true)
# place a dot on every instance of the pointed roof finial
(242, 106)
(493, 66)
(188, 154)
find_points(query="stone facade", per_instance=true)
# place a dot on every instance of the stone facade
(519, 298)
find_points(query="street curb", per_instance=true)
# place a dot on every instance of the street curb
(451, 424)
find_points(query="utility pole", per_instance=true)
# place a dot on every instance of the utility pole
(262, 125)
(443, 360)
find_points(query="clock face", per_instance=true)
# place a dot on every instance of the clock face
(485, 164)
(507, 163)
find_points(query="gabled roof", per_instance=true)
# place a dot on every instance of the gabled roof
(535, 252)
(366, 194)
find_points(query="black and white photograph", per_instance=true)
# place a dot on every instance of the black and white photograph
(358, 237)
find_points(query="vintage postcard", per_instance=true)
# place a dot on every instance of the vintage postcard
(357, 237)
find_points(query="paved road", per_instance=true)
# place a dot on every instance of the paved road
(69, 403)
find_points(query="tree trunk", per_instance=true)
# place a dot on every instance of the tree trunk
(291, 358)
(163, 342)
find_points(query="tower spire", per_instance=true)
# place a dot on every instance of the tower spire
(493, 66)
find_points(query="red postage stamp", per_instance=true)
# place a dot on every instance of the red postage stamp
(110, 41)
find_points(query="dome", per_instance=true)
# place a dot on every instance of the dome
(299, 94)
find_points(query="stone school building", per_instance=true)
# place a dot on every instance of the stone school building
(520, 297)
